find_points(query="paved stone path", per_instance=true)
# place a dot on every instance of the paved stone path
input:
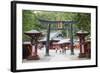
(55, 57)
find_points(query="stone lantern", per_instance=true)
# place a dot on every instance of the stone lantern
(35, 35)
(82, 34)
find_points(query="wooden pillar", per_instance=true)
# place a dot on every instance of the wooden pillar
(82, 42)
(71, 39)
(36, 47)
(48, 42)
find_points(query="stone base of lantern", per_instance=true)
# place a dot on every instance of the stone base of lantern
(82, 55)
(34, 57)
(88, 55)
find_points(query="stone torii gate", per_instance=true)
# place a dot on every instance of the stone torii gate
(49, 22)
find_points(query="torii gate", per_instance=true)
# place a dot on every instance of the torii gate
(48, 32)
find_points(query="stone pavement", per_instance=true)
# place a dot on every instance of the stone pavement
(56, 57)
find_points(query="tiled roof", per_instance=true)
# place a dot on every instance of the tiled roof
(53, 36)
(32, 31)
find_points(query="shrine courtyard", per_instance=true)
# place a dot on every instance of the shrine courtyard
(56, 56)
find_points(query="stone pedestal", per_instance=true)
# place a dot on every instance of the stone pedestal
(88, 48)
(27, 49)
(34, 55)
(82, 34)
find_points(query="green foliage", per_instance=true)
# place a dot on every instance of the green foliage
(30, 21)
(84, 21)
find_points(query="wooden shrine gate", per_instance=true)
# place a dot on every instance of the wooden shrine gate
(48, 23)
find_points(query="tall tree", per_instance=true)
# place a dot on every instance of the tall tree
(84, 21)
